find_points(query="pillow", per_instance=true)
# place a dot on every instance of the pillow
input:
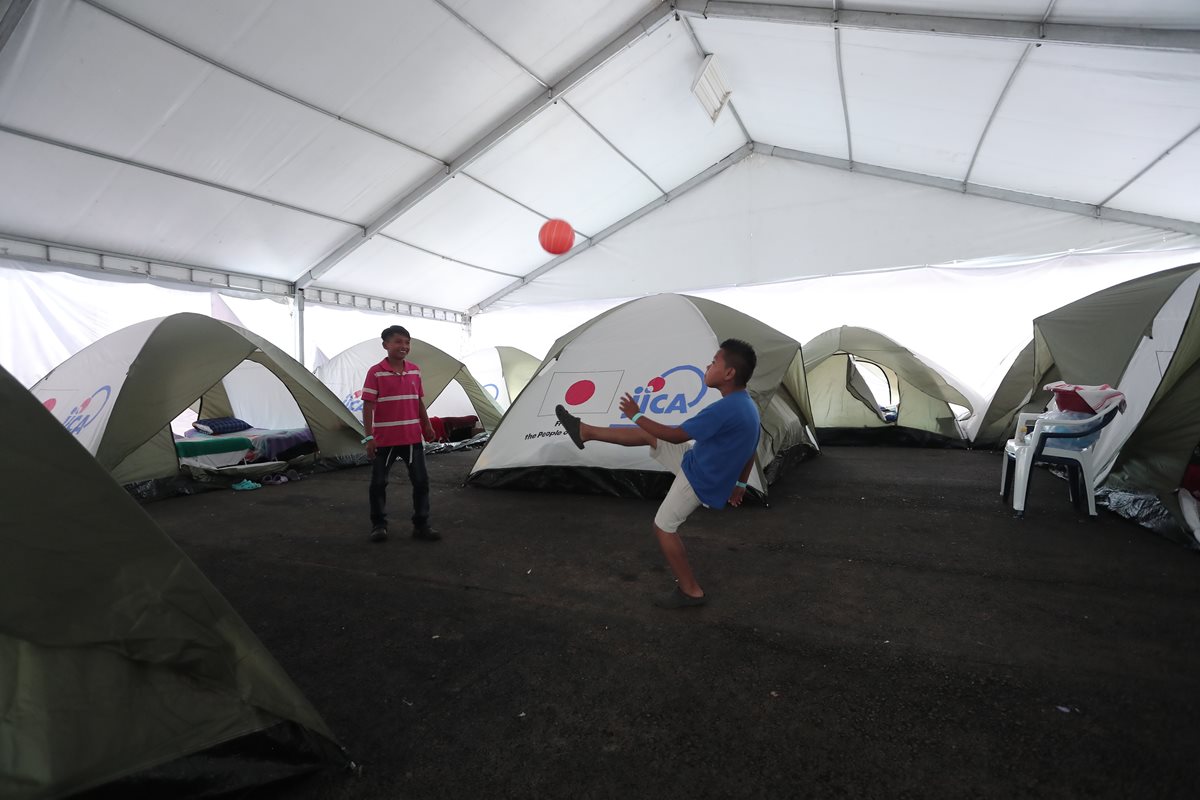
(218, 425)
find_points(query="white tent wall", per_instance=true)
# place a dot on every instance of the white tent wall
(261, 399)
(333, 329)
(770, 219)
(452, 402)
(535, 328)
(48, 316)
(967, 320)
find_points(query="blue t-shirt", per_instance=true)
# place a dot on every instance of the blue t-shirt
(726, 435)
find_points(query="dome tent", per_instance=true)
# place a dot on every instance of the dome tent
(120, 664)
(502, 371)
(864, 387)
(654, 348)
(1142, 337)
(119, 395)
(450, 388)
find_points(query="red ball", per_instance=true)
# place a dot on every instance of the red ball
(556, 236)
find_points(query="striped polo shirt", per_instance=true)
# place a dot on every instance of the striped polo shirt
(397, 398)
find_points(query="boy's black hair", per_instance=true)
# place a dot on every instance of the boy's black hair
(395, 330)
(741, 356)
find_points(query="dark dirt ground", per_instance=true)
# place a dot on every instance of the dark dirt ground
(886, 629)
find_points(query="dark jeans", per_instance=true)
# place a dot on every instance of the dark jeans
(413, 457)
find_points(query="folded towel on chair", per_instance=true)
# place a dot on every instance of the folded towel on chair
(1085, 398)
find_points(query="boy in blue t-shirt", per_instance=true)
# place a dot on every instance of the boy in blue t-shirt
(711, 455)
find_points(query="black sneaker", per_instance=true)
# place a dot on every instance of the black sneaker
(570, 425)
(425, 533)
(379, 533)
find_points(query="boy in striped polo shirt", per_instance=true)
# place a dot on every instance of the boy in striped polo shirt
(394, 417)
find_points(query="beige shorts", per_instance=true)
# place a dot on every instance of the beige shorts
(680, 501)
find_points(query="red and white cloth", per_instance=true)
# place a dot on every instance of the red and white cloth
(1084, 398)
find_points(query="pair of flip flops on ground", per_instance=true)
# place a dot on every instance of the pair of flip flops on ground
(276, 478)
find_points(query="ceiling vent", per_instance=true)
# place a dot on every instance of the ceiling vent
(710, 89)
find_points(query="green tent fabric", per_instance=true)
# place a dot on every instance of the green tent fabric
(156, 369)
(1094, 340)
(846, 409)
(1088, 341)
(116, 654)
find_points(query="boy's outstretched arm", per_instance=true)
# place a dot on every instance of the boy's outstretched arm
(666, 433)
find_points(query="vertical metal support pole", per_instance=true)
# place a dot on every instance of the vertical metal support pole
(298, 322)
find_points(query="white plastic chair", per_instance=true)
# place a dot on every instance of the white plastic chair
(1041, 446)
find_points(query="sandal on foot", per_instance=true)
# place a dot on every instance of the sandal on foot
(677, 599)
(570, 425)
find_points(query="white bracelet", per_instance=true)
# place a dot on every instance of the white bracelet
(368, 439)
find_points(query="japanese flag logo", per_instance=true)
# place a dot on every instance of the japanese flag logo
(582, 392)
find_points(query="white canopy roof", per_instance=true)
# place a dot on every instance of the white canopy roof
(411, 150)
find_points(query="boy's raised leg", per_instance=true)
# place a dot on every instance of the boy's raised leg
(581, 432)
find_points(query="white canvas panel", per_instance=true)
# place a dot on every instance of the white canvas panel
(63, 196)
(262, 239)
(658, 349)
(557, 165)
(260, 399)
(784, 81)
(333, 329)
(469, 222)
(661, 126)
(82, 397)
(550, 36)
(920, 103)
(940, 312)
(1145, 371)
(270, 317)
(1081, 121)
(195, 120)
(236, 134)
(408, 69)
(768, 219)
(1141, 13)
(1168, 189)
(992, 9)
(51, 316)
(384, 268)
(533, 328)
(75, 73)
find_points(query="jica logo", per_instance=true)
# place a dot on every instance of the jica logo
(353, 401)
(655, 397)
(86, 412)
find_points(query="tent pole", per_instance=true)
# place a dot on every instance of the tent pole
(298, 322)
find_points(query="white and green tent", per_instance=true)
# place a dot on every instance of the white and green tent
(1142, 337)
(450, 388)
(119, 395)
(502, 372)
(655, 348)
(119, 662)
(866, 388)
